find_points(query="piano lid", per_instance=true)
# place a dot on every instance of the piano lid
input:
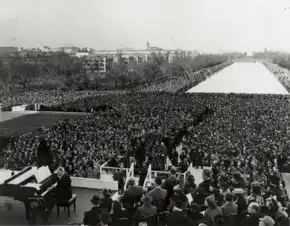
(24, 176)
(4, 175)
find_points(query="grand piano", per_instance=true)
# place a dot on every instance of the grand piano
(26, 184)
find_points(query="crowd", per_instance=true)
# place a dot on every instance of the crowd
(243, 137)
(220, 200)
(282, 74)
(183, 80)
(135, 124)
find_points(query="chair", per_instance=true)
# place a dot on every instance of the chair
(66, 206)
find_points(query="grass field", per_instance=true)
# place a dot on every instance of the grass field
(27, 123)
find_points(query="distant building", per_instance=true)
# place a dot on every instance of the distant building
(8, 51)
(71, 50)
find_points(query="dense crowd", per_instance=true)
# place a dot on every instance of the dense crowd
(183, 80)
(220, 200)
(136, 124)
(282, 74)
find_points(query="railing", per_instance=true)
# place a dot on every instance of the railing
(129, 175)
(148, 177)
(104, 168)
(164, 175)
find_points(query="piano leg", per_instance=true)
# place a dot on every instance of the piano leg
(27, 211)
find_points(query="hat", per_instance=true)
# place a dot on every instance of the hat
(268, 221)
(95, 200)
(238, 191)
(173, 170)
(131, 181)
(147, 199)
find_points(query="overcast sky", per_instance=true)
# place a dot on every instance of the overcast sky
(207, 25)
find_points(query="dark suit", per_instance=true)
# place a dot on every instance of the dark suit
(204, 187)
(63, 191)
(93, 216)
(133, 194)
(229, 209)
(253, 220)
(158, 194)
(106, 203)
(145, 211)
(177, 218)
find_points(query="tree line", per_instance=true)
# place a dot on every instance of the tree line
(61, 71)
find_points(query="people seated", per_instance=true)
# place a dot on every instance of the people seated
(63, 191)
(158, 193)
(146, 209)
(133, 194)
(93, 216)
(177, 216)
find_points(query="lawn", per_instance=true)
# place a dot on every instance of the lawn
(31, 122)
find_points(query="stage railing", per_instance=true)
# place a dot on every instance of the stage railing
(148, 177)
(129, 175)
(105, 170)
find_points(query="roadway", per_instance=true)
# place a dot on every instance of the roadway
(242, 77)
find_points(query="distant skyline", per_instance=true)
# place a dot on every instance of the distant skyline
(204, 25)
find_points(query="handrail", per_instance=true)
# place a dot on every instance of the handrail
(129, 175)
(101, 167)
(148, 176)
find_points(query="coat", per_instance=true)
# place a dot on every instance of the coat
(158, 194)
(93, 216)
(63, 191)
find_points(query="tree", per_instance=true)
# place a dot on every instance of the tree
(62, 65)
(22, 73)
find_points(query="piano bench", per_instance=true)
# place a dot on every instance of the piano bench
(66, 206)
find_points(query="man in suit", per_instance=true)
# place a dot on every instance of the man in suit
(169, 184)
(146, 210)
(93, 216)
(229, 208)
(204, 186)
(133, 194)
(158, 193)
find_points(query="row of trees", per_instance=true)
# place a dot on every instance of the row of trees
(280, 58)
(64, 72)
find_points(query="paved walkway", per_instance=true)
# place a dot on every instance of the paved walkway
(241, 78)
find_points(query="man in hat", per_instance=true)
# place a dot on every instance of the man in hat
(146, 210)
(133, 193)
(93, 216)
(158, 193)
